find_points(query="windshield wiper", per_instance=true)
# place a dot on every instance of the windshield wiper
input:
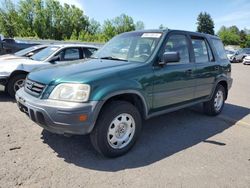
(113, 58)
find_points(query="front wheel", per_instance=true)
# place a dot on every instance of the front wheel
(216, 104)
(117, 129)
(15, 83)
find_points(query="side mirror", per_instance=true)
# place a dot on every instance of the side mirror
(170, 57)
(30, 54)
(55, 58)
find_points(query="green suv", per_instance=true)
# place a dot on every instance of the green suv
(135, 76)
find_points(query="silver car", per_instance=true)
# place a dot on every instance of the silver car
(13, 72)
(27, 52)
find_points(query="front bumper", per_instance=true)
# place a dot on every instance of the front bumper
(246, 62)
(58, 116)
(3, 80)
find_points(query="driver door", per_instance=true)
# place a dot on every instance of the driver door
(174, 83)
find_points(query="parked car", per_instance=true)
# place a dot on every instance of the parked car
(246, 60)
(230, 53)
(109, 95)
(27, 52)
(240, 55)
(10, 45)
(13, 72)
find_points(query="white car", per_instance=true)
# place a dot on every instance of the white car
(230, 54)
(27, 52)
(246, 60)
(13, 72)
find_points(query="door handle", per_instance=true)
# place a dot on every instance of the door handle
(189, 71)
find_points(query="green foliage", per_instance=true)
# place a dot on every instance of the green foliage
(205, 23)
(233, 36)
(119, 24)
(9, 19)
(48, 19)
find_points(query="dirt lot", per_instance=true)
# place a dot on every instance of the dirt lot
(180, 149)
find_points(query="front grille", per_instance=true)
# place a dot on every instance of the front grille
(34, 88)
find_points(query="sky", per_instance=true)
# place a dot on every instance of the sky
(174, 14)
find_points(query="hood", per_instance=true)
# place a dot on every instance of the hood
(80, 72)
(18, 61)
(247, 57)
(18, 64)
(10, 57)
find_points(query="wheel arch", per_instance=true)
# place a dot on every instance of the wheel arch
(222, 82)
(131, 96)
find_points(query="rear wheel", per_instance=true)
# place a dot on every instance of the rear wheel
(15, 83)
(216, 104)
(117, 129)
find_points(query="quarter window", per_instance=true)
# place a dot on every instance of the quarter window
(219, 48)
(178, 43)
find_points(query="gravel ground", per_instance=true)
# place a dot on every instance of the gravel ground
(180, 149)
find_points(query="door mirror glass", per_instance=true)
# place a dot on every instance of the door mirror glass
(30, 54)
(55, 58)
(171, 57)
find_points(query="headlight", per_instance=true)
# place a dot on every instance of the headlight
(71, 92)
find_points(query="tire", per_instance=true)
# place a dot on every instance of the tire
(117, 119)
(12, 87)
(216, 104)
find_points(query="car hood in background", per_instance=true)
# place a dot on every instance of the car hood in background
(10, 57)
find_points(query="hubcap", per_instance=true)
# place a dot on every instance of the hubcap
(218, 101)
(18, 84)
(121, 131)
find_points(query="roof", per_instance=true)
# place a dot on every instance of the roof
(73, 45)
(173, 30)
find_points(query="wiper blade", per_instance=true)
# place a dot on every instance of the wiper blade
(113, 58)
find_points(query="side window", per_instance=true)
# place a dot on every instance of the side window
(71, 54)
(88, 52)
(219, 48)
(202, 51)
(178, 43)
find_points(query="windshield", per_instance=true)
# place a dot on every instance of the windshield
(25, 51)
(45, 53)
(247, 50)
(136, 46)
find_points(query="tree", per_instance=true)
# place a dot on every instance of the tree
(9, 19)
(139, 25)
(205, 23)
(229, 36)
(119, 24)
(162, 27)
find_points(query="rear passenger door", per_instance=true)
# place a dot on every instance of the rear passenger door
(206, 68)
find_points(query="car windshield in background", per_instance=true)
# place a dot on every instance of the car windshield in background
(247, 50)
(230, 52)
(25, 51)
(45, 53)
(137, 46)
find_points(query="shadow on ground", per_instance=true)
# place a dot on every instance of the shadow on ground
(161, 137)
(4, 97)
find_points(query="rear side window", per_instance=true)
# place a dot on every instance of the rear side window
(88, 52)
(202, 50)
(220, 49)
